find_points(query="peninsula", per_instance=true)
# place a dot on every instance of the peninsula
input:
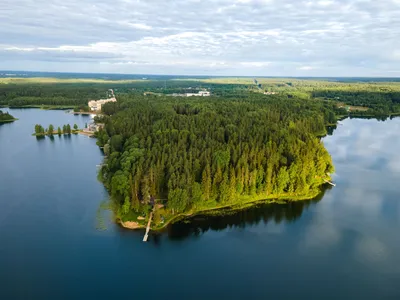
(168, 158)
(6, 117)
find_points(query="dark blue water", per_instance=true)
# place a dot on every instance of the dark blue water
(343, 245)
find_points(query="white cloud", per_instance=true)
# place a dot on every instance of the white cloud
(306, 68)
(136, 25)
(333, 37)
(256, 64)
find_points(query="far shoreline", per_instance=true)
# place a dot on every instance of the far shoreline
(8, 121)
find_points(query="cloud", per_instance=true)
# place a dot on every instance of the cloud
(306, 68)
(357, 215)
(256, 64)
(371, 250)
(216, 37)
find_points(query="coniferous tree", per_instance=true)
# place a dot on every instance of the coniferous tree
(50, 130)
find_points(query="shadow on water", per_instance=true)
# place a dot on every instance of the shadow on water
(67, 138)
(378, 118)
(40, 137)
(331, 129)
(274, 212)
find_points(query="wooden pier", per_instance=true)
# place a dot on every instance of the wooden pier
(146, 235)
(331, 183)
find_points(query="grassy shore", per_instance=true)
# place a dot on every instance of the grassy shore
(244, 202)
(55, 132)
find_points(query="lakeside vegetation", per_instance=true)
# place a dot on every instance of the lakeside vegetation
(6, 117)
(50, 131)
(357, 96)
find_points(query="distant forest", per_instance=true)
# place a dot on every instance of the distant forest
(379, 97)
(19, 95)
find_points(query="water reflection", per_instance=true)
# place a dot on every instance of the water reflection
(265, 213)
(40, 137)
(331, 129)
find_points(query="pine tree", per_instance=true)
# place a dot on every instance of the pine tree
(50, 130)
(206, 182)
(232, 185)
(38, 129)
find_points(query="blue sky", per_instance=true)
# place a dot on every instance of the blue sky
(203, 37)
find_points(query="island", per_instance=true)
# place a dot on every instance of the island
(6, 117)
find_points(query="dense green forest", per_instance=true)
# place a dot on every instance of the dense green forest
(19, 95)
(199, 153)
(366, 97)
(379, 103)
(6, 117)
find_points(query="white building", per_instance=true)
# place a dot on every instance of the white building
(200, 93)
(95, 105)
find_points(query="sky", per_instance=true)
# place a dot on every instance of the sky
(203, 37)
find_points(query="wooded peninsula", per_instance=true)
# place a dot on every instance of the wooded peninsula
(194, 154)
(6, 117)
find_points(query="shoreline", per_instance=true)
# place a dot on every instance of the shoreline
(83, 112)
(133, 225)
(55, 132)
(8, 121)
(44, 107)
(80, 131)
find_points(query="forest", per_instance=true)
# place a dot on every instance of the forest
(20, 95)
(6, 117)
(198, 153)
(374, 97)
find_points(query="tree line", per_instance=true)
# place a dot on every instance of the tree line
(5, 117)
(66, 129)
(63, 94)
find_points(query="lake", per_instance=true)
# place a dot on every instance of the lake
(57, 243)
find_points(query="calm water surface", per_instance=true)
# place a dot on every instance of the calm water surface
(343, 245)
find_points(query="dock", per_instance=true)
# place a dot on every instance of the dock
(146, 235)
(331, 183)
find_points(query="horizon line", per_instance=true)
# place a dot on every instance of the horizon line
(194, 75)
